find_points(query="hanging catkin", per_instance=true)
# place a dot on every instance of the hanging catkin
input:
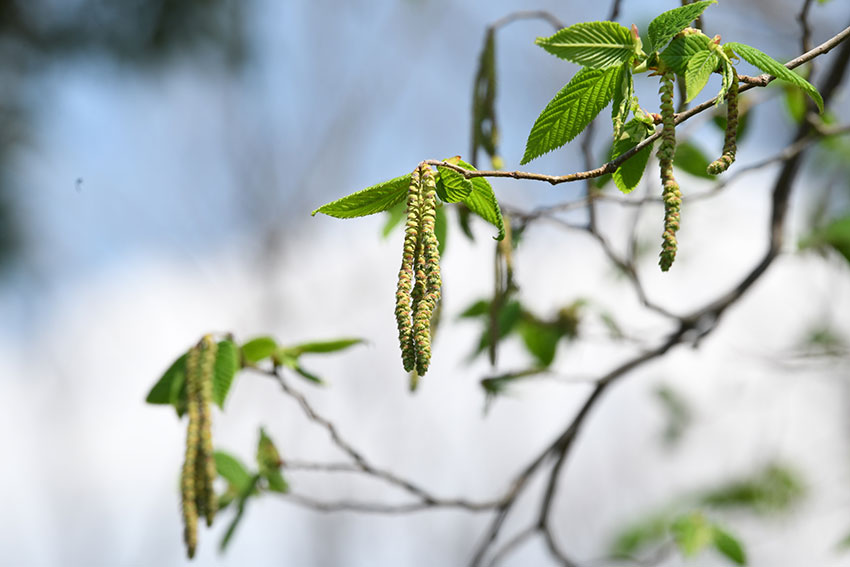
(403, 305)
(188, 476)
(429, 275)
(207, 500)
(418, 290)
(671, 194)
(199, 472)
(729, 146)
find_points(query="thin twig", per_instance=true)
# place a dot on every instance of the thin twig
(528, 15)
(806, 30)
(366, 467)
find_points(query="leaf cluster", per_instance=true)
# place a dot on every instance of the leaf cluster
(170, 389)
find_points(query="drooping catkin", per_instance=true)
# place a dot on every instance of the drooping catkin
(404, 290)
(721, 164)
(188, 475)
(671, 194)
(207, 501)
(419, 283)
(429, 275)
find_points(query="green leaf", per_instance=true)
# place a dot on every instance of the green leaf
(269, 462)
(240, 513)
(628, 175)
(226, 367)
(682, 49)
(541, 340)
(668, 24)
(292, 363)
(596, 45)
(692, 533)
(477, 309)
(482, 201)
(452, 187)
(835, 235)
(276, 482)
(257, 349)
(441, 229)
(268, 457)
(771, 490)
(624, 91)
(395, 215)
(699, 69)
(507, 318)
(233, 471)
(375, 199)
(639, 536)
(773, 67)
(691, 160)
(323, 346)
(167, 388)
(729, 546)
(572, 109)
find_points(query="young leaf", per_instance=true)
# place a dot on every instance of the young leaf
(639, 536)
(668, 24)
(596, 45)
(835, 235)
(292, 363)
(441, 229)
(681, 49)
(773, 67)
(232, 470)
(375, 199)
(691, 160)
(572, 109)
(699, 69)
(240, 512)
(692, 533)
(729, 546)
(628, 175)
(452, 187)
(395, 215)
(268, 457)
(257, 349)
(323, 346)
(624, 92)
(482, 201)
(541, 340)
(226, 367)
(167, 388)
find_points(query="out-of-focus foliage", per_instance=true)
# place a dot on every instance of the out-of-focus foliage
(690, 524)
(677, 414)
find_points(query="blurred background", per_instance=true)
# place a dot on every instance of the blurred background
(158, 163)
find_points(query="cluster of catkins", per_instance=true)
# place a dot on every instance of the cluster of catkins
(199, 471)
(671, 194)
(419, 281)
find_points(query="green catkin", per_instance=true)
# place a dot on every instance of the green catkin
(671, 194)
(404, 290)
(721, 164)
(206, 469)
(429, 275)
(188, 476)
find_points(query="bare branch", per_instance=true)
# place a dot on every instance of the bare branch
(806, 30)
(425, 497)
